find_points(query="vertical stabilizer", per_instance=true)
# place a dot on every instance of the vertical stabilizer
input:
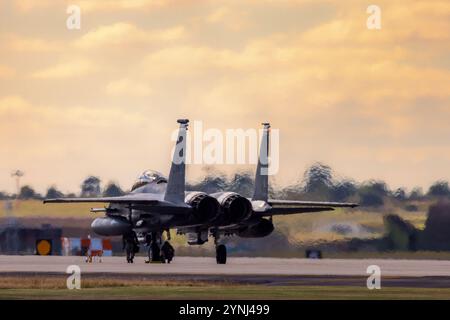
(176, 184)
(262, 169)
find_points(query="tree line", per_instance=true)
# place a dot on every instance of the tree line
(90, 187)
(317, 183)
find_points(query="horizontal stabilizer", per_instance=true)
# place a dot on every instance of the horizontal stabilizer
(312, 203)
(283, 207)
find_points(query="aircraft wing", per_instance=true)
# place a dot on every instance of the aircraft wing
(281, 207)
(127, 199)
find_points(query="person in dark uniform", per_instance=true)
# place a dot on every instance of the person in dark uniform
(130, 245)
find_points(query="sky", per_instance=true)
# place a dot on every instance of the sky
(103, 100)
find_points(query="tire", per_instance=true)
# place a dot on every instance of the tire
(154, 253)
(167, 252)
(313, 254)
(221, 254)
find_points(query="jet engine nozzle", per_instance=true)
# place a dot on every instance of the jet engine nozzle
(234, 207)
(205, 208)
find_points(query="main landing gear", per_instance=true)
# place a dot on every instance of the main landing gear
(221, 250)
(159, 251)
(221, 254)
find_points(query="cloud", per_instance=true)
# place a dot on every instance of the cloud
(6, 71)
(127, 87)
(28, 5)
(69, 69)
(229, 18)
(12, 103)
(189, 59)
(45, 140)
(182, 60)
(94, 6)
(123, 34)
(119, 5)
(234, 63)
(51, 116)
(25, 44)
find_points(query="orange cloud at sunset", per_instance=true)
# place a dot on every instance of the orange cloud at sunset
(104, 99)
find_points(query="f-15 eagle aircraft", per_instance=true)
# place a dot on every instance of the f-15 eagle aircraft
(156, 204)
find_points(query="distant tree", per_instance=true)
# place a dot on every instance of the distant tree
(211, 183)
(318, 182)
(294, 191)
(3, 196)
(439, 189)
(379, 187)
(372, 193)
(27, 192)
(400, 234)
(53, 193)
(317, 178)
(435, 234)
(400, 194)
(416, 194)
(113, 190)
(90, 187)
(371, 200)
(242, 183)
(344, 190)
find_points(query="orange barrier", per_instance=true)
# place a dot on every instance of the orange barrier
(89, 247)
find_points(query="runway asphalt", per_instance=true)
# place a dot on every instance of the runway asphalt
(243, 267)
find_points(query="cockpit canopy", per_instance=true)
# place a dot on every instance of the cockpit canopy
(150, 177)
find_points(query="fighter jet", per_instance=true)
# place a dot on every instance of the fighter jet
(156, 204)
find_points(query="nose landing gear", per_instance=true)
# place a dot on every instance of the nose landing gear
(159, 251)
(221, 254)
(167, 252)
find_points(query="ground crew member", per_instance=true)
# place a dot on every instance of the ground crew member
(131, 245)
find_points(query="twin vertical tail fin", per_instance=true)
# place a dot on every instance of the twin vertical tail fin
(177, 177)
(262, 169)
(175, 191)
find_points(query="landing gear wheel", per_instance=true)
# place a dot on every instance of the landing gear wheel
(154, 253)
(221, 254)
(167, 252)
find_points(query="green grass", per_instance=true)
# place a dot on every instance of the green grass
(228, 292)
(54, 287)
